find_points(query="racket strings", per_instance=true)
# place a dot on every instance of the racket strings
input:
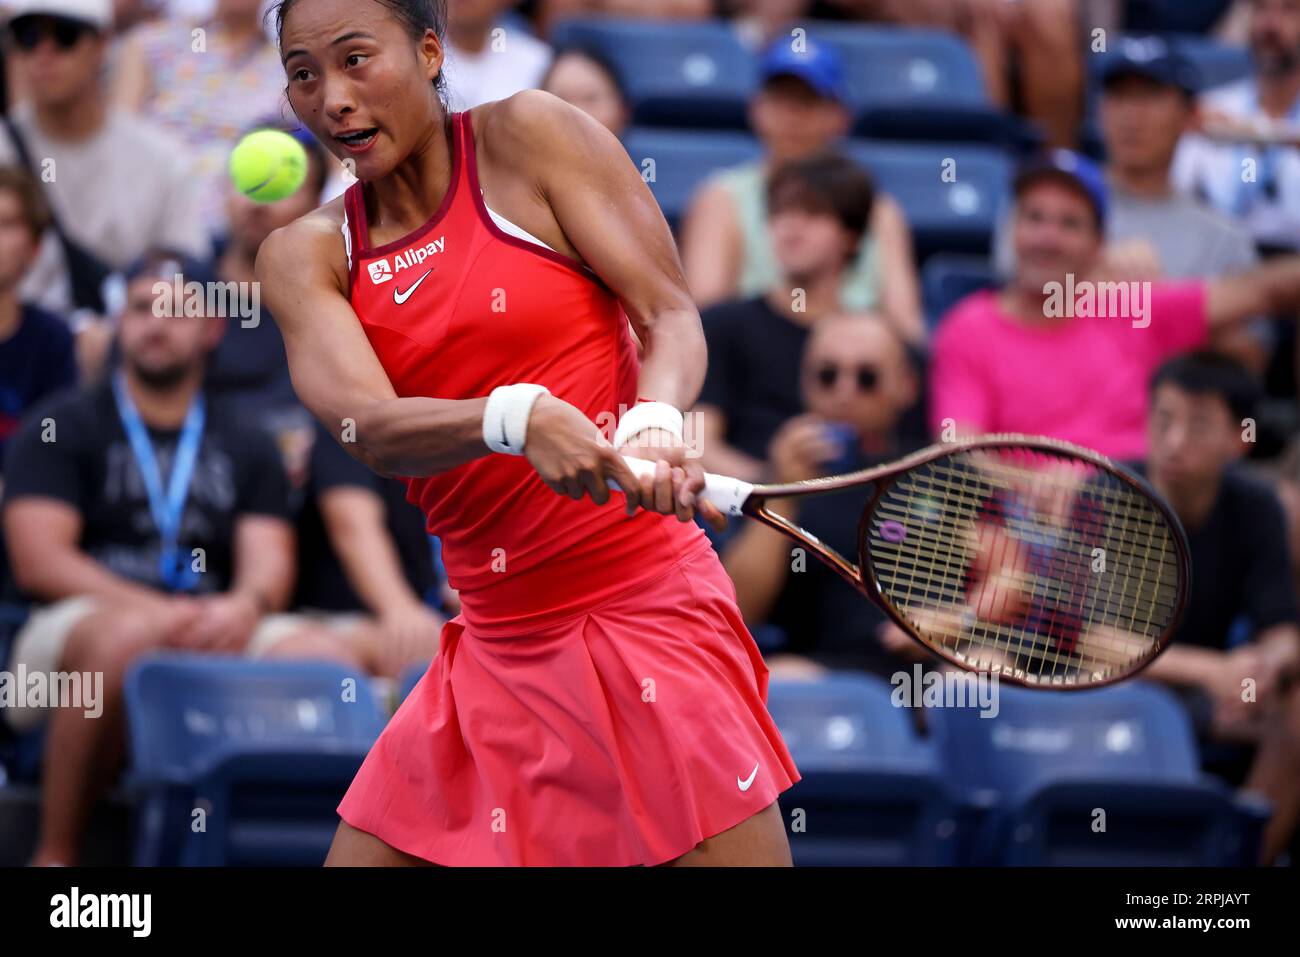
(1046, 567)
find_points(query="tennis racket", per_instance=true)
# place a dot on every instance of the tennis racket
(1031, 558)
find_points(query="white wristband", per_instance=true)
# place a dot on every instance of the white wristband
(505, 418)
(647, 415)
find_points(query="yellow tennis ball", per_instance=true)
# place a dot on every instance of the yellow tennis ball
(268, 165)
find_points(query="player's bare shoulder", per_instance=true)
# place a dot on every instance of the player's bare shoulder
(309, 252)
(534, 130)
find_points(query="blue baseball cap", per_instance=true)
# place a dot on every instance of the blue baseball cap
(1072, 168)
(818, 66)
(1149, 57)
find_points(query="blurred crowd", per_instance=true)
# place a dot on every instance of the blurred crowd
(822, 358)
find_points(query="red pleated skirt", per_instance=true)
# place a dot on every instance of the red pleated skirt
(626, 734)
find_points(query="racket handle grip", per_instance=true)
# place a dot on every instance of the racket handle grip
(728, 494)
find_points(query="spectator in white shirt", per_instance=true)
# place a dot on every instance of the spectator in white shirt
(1246, 161)
(486, 58)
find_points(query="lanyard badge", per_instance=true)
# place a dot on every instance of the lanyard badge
(167, 506)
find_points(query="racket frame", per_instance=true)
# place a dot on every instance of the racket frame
(862, 576)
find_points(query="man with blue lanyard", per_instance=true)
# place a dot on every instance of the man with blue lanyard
(138, 517)
(1247, 161)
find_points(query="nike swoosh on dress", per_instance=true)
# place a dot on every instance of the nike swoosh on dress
(400, 297)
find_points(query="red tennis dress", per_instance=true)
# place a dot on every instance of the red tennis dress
(599, 700)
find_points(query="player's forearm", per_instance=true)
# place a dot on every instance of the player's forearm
(416, 436)
(675, 358)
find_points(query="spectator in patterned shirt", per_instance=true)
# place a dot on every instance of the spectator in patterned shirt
(205, 83)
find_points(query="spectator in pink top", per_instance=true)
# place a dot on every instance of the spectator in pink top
(1067, 347)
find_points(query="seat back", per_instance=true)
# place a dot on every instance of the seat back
(675, 73)
(951, 193)
(845, 720)
(181, 708)
(674, 163)
(1134, 732)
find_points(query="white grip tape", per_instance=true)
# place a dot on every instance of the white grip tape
(648, 415)
(505, 417)
(728, 494)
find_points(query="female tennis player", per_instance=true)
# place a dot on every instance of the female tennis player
(460, 317)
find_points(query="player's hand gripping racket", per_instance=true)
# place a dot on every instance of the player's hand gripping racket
(1036, 559)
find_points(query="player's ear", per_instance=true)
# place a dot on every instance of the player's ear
(431, 55)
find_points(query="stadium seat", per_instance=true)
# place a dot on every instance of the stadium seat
(952, 193)
(675, 162)
(1216, 63)
(948, 278)
(676, 73)
(870, 792)
(915, 84)
(266, 749)
(1048, 761)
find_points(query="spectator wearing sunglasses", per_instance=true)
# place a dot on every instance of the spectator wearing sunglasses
(857, 380)
(118, 186)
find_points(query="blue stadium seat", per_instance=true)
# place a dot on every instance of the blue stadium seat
(915, 84)
(870, 792)
(676, 162)
(1216, 63)
(954, 214)
(676, 73)
(265, 748)
(1043, 765)
(948, 278)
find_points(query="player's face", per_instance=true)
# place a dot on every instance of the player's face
(1141, 122)
(855, 371)
(1275, 34)
(1054, 233)
(17, 244)
(1191, 438)
(160, 343)
(359, 82)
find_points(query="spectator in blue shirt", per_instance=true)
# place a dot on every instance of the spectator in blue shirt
(36, 351)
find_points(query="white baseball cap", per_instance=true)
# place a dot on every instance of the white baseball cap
(97, 13)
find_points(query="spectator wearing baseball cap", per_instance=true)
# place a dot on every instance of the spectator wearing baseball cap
(1067, 347)
(120, 185)
(798, 111)
(1154, 230)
